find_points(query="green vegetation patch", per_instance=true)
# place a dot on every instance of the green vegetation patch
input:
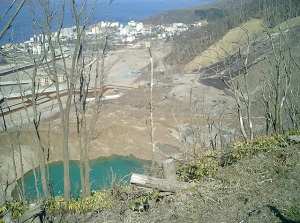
(18, 208)
(210, 14)
(141, 203)
(293, 213)
(99, 200)
(275, 140)
(194, 170)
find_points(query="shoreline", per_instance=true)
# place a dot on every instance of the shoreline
(30, 162)
(107, 165)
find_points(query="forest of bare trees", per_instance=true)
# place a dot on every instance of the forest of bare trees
(274, 99)
(277, 88)
(85, 76)
(235, 13)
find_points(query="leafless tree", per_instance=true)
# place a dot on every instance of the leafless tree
(152, 128)
(88, 103)
(52, 15)
(278, 88)
(280, 84)
(84, 75)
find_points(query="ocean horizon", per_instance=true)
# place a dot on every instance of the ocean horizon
(121, 11)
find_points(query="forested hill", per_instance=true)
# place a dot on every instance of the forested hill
(191, 15)
(187, 15)
(220, 10)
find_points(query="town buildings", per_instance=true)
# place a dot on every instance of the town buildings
(119, 35)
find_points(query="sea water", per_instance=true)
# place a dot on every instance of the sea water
(121, 11)
(105, 172)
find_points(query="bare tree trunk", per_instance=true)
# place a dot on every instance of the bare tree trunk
(35, 180)
(151, 110)
(235, 89)
(86, 124)
(35, 211)
(247, 98)
(169, 169)
(52, 72)
(157, 183)
(279, 83)
(15, 167)
(36, 133)
(21, 167)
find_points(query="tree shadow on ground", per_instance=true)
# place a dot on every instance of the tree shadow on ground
(279, 215)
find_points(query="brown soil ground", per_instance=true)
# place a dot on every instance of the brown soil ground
(181, 102)
(123, 127)
(188, 115)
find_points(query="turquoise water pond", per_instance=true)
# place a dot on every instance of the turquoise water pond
(101, 175)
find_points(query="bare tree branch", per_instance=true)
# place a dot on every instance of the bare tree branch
(11, 19)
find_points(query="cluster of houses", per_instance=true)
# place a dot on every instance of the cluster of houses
(133, 30)
(120, 34)
(129, 33)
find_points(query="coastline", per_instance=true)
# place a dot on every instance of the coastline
(122, 11)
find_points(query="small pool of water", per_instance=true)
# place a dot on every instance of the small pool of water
(103, 172)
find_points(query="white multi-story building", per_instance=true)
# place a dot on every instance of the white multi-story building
(33, 39)
(103, 24)
(170, 29)
(96, 30)
(130, 39)
(109, 24)
(139, 26)
(67, 32)
(126, 30)
(114, 24)
(37, 49)
(44, 81)
(179, 24)
(44, 77)
(132, 23)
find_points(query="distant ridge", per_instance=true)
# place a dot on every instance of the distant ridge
(185, 15)
(189, 15)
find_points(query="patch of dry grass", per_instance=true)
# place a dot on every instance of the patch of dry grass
(261, 188)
